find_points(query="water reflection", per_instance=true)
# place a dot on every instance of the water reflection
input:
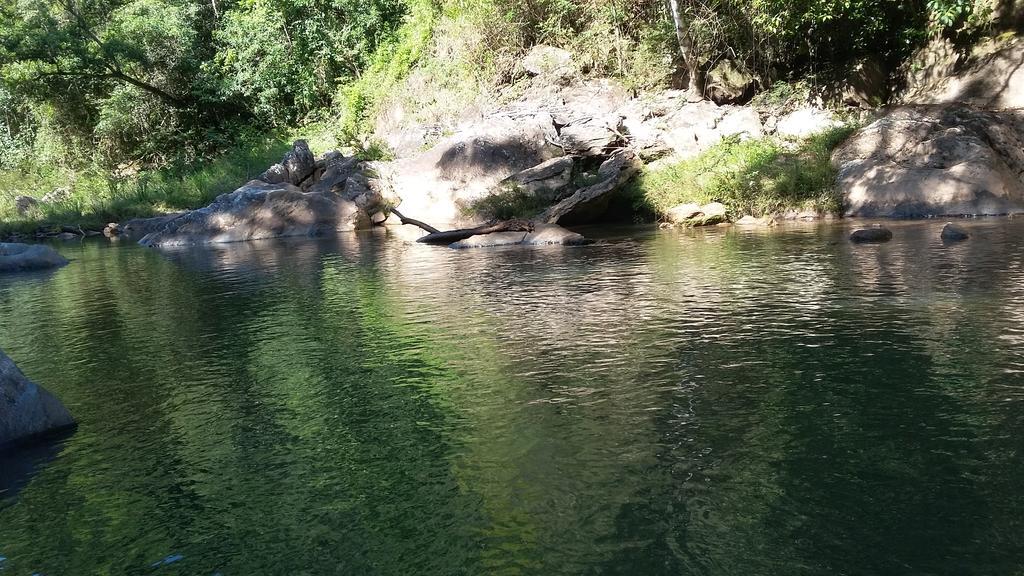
(662, 402)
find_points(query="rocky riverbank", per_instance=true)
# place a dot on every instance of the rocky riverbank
(563, 152)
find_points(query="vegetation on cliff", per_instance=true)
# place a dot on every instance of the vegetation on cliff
(120, 100)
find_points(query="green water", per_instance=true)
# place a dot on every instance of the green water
(707, 402)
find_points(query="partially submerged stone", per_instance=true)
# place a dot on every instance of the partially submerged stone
(26, 409)
(542, 235)
(871, 235)
(490, 240)
(25, 257)
(690, 214)
(953, 233)
(682, 213)
(552, 234)
(749, 220)
(260, 210)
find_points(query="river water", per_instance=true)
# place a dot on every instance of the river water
(662, 402)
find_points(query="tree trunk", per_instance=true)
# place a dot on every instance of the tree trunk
(686, 47)
(434, 236)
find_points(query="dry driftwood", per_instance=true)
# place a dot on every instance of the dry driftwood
(435, 236)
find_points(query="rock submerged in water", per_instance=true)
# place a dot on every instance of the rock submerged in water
(953, 233)
(26, 409)
(26, 257)
(542, 235)
(874, 235)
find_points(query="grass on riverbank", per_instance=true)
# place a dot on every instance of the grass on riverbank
(756, 177)
(98, 197)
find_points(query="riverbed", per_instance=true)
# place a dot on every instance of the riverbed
(719, 401)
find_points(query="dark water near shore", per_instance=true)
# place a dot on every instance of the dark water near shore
(708, 402)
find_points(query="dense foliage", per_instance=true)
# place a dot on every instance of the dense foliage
(129, 84)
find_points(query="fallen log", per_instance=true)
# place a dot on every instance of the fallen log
(435, 236)
(452, 236)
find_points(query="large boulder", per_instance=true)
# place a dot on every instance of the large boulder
(260, 210)
(24, 204)
(26, 409)
(934, 161)
(729, 82)
(25, 257)
(296, 166)
(439, 185)
(805, 122)
(989, 76)
(590, 203)
(867, 84)
(547, 181)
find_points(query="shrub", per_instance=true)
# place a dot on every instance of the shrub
(756, 177)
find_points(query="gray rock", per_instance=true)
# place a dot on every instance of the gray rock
(138, 227)
(714, 209)
(548, 60)
(490, 240)
(867, 84)
(23, 204)
(299, 162)
(871, 235)
(437, 185)
(56, 196)
(546, 181)
(953, 233)
(542, 235)
(749, 220)
(259, 211)
(741, 121)
(989, 76)
(296, 166)
(276, 174)
(552, 234)
(730, 82)
(24, 257)
(934, 161)
(592, 136)
(590, 203)
(805, 122)
(26, 409)
(681, 213)
(336, 171)
(696, 215)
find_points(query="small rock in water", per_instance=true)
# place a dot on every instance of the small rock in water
(953, 233)
(871, 235)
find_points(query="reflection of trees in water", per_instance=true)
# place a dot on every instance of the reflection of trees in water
(700, 402)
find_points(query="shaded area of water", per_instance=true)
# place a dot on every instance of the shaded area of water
(705, 402)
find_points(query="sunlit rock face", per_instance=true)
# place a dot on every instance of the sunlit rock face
(26, 409)
(934, 161)
(260, 210)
